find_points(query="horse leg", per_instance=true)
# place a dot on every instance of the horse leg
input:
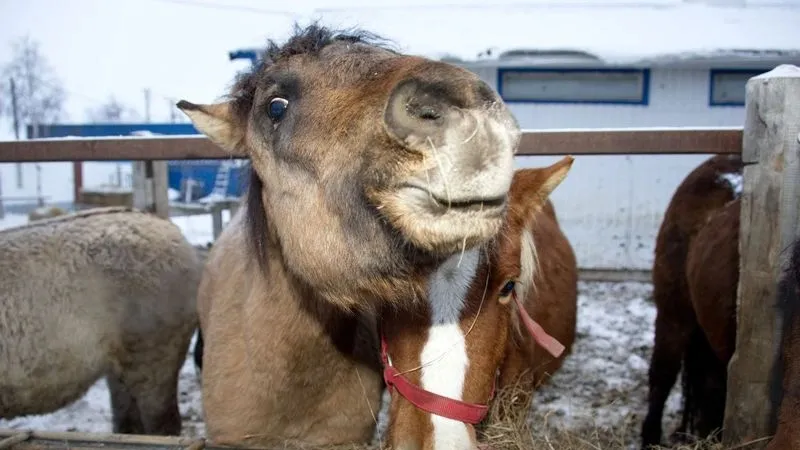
(695, 381)
(124, 411)
(671, 338)
(150, 374)
(712, 403)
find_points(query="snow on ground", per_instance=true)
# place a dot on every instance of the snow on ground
(602, 383)
(13, 220)
(56, 180)
(198, 228)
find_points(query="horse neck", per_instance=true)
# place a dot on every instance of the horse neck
(311, 314)
(429, 343)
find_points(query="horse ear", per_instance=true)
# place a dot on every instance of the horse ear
(215, 121)
(531, 188)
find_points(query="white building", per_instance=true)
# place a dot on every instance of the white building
(593, 64)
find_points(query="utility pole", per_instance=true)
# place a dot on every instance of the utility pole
(172, 116)
(15, 114)
(147, 105)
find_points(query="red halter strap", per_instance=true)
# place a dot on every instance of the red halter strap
(428, 401)
(451, 408)
(536, 331)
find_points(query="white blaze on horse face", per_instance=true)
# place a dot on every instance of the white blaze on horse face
(444, 356)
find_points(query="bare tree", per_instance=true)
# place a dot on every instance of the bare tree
(39, 94)
(113, 111)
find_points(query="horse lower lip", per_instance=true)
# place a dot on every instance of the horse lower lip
(471, 204)
(487, 203)
(476, 205)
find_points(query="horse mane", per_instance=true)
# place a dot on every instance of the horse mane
(304, 41)
(529, 258)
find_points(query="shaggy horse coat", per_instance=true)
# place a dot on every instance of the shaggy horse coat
(369, 167)
(108, 292)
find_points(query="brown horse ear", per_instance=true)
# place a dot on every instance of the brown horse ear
(531, 188)
(215, 121)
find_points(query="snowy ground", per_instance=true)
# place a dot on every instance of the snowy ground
(602, 384)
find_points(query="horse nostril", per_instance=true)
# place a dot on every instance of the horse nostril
(428, 113)
(424, 112)
(417, 110)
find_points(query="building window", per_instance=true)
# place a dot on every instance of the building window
(728, 86)
(615, 86)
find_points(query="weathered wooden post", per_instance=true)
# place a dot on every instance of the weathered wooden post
(769, 224)
(149, 180)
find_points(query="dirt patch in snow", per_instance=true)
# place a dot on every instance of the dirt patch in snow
(601, 388)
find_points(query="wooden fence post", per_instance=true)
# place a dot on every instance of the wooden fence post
(769, 224)
(149, 180)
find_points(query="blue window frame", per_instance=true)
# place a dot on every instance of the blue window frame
(727, 86)
(549, 85)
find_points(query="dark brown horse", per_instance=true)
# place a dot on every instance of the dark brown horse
(369, 168)
(695, 276)
(787, 434)
(469, 327)
(696, 300)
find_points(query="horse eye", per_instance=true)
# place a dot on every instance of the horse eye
(507, 288)
(277, 108)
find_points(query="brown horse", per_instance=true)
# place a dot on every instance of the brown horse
(787, 434)
(695, 276)
(103, 293)
(369, 168)
(447, 351)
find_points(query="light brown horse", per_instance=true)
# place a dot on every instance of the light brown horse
(452, 346)
(369, 168)
(695, 277)
(106, 292)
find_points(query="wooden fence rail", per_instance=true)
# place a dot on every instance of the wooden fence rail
(644, 141)
(70, 440)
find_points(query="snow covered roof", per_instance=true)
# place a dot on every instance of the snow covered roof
(631, 32)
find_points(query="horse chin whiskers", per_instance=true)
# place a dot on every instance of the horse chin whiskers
(463, 250)
(474, 133)
(445, 179)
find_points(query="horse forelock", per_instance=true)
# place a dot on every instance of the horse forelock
(310, 40)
